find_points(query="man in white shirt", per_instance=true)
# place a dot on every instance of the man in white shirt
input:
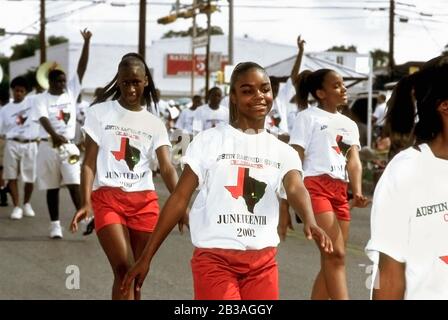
(20, 150)
(56, 112)
(378, 116)
(211, 114)
(186, 117)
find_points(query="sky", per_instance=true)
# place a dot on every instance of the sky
(322, 23)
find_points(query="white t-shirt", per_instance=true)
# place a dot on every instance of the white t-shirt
(409, 221)
(60, 110)
(80, 118)
(16, 120)
(281, 109)
(185, 120)
(379, 114)
(326, 138)
(126, 140)
(240, 177)
(206, 118)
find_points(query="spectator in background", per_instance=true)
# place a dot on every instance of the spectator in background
(20, 151)
(186, 117)
(211, 114)
(378, 116)
(56, 111)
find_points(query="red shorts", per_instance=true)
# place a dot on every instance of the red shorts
(137, 210)
(224, 274)
(328, 194)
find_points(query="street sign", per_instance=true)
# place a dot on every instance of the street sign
(200, 41)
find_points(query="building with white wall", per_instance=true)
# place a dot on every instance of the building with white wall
(168, 60)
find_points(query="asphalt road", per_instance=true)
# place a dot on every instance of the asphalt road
(33, 266)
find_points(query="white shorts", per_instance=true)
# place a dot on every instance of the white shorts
(20, 160)
(54, 172)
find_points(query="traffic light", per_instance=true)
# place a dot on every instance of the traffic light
(205, 8)
(167, 19)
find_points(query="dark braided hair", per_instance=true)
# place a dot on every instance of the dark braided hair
(419, 94)
(112, 89)
(310, 82)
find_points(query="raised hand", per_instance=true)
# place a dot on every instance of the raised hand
(86, 34)
(300, 43)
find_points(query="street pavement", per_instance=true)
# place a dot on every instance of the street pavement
(33, 266)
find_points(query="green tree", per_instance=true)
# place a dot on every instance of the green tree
(343, 48)
(380, 58)
(31, 44)
(215, 30)
(54, 40)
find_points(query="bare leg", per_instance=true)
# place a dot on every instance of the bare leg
(28, 192)
(12, 184)
(138, 243)
(332, 270)
(114, 240)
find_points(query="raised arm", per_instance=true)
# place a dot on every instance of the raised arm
(84, 58)
(296, 68)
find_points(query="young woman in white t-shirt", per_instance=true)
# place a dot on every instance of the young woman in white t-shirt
(240, 170)
(328, 144)
(409, 219)
(116, 179)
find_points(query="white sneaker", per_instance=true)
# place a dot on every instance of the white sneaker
(55, 230)
(16, 213)
(28, 210)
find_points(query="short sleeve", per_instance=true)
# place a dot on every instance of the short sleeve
(197, 120)
(40, 107)
(301, 130)
(180, 123)
(92, 125)
(161, 137)
(353, 138)
(194, 156)
(390, 219)
(291, 161)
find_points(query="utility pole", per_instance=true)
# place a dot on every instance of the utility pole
(207, 54)
(230, 32)
(193, 59)
(43, 45)
(142, 30)
(391, 37)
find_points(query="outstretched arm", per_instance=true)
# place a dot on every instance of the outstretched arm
(84, 58)
(296, 68)
(172, 212)
(299, 199)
